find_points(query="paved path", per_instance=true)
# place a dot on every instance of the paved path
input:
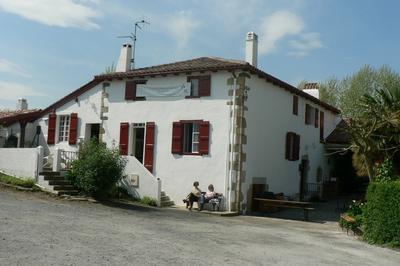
(36, 229)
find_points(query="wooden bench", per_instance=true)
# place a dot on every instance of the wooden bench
(306, 206)
(350, 220)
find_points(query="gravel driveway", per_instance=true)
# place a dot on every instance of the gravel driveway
(36, 229)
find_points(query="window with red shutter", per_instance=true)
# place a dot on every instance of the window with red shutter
(149, 146)
(51, 133)
(123, 138)
(200, 86)
(316, 118)
(321, 126)
(205, 86)
(177, 138)
(204, 142)
(130, 90)
(292, 152)
(73, 129)
(295, 105)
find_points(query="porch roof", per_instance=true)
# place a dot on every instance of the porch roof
(8, 117)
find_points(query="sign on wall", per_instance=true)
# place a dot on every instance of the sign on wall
(144, 90)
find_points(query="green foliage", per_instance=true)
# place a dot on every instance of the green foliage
(110, 69)
(148, 201)
(97, 169)
(355, 211)
(28, 183)
(385, 172)
(118, 192)
(381, 216)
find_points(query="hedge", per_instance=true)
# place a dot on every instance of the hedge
(381, 216)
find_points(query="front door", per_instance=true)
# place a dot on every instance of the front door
(138, 141)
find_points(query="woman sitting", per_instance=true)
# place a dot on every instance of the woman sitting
(209, 195)
(194, 196)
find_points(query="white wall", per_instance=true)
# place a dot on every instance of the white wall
(19, 162)
(269, 118)
(177, 172)
(148, 185)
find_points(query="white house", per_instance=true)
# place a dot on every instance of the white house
(212, 120)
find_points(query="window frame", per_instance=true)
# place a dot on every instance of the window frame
(184, 123)
(65, 125)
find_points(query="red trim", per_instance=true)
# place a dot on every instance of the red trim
(73, 129)
(123, 138)
(51, 129)
(149, 146)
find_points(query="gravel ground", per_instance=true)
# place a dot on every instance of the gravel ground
(36, 229)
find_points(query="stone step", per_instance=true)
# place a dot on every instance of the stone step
(163, 194)
(49, 173)
(53, 177)
(165, 198)
(167, 203)
(63, 187)
(67, 192)
(59, 182)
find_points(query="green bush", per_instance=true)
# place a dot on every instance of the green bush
(97, 169)
(381, 215)
(148, 201)
(385, 172)
(355, 211)
(28, 183)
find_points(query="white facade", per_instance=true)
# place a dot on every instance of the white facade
(269, 118)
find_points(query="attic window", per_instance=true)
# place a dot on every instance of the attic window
(200, 86)
(194, 87)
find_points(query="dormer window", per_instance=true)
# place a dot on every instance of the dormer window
(194, 87)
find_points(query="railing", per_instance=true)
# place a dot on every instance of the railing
(67, 157)
(313, 189)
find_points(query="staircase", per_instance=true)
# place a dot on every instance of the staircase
(165, 200)
(57, 183)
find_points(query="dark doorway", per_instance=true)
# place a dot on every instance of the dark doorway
(94, 131)
(303, 177)
(138, 143)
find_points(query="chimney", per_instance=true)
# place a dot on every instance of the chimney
(312, 89)
(124, 61)
(252, 48)
(22, 104)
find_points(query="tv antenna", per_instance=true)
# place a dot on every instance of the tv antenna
(133, 37)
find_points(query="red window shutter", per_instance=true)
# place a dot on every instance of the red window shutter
(123, 138)
(316, 118)
(321, 126)
(288, 146)
(177, 138)
(204, 141)
(296, 148)
(73, 129)
(204, 86)
(295, 105)
(149, 146)
(130, 90)
(51, 133)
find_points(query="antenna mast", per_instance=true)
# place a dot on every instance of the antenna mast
(133, 37)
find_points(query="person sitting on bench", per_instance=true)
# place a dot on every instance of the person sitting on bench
(194, 196)
(206, 197)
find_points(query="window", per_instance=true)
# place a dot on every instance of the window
(316, 117)
(191, 137)
(295, 105)
(321, 126)
(292, 152)
(63, 128)
(200, 86)
(309, 114)
(194, 87)
(130, 90)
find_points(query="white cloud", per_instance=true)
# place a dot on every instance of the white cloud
(181, 27)
(277, 26)
(306, 43)
(12, 68)
(11, 91)
(61, 13)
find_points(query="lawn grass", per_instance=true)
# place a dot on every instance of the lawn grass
(28, 183)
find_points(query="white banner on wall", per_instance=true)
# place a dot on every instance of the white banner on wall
(144, 90)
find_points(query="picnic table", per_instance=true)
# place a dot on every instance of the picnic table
(306, 206)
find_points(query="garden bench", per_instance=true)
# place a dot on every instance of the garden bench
(306, 206)
(349, 220)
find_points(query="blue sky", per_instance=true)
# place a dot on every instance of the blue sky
(49, 48)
